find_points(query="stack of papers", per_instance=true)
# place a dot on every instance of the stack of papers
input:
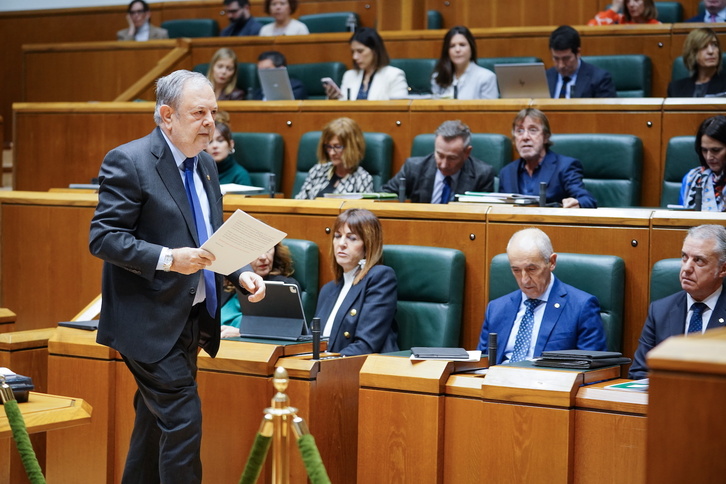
(357, 196)
(237, 188)
(492, 197)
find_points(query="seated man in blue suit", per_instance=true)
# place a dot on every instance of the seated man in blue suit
(715, 11)
(271, 59)
(571, 77)
(545, 314)
(701, 305)
(562, 174)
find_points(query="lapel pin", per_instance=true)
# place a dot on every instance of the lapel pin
(720, 320)
(353, 312)
(208, 179)
(557, 305)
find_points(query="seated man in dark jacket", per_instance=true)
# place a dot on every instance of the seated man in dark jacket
(241, 22)
(271, 59)
(450, 169)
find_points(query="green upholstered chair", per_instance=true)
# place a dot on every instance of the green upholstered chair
(261, 155)
(680, 157)
(669, 12)
(265, 20)
(191, 27)
(664, 278)
(377, 159)
(631, 73)
(430, 300)
(418, 73)
(603, 276)
(679, 70)
(434, 20)
(490, 62)
(319, 23)
(305, 258)
(612, 164)
(247, 79)
(310, 75)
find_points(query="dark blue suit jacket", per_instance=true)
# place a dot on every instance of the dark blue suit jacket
(242, 28)
(666, 318)
(562, 174)
(591, 82)
(365, 322)
(571, 321)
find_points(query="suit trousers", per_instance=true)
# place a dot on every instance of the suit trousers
(166, 439)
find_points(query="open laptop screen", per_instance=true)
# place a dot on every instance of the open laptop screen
(522, 80)
(276, 84)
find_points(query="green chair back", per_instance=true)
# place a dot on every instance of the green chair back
(331, 22)
(631, 72)
(679, 70)
(434, 20)
(191, 27)
(305, 258)
(612, 164)
(669, 12)
(265, 20)
(247, 79)
(261, 155)
(430, 301)
(418, 73)
(490, 62)
(377, 159)
(603, 276)
(310, 75)
(681, 156)
(664, 278)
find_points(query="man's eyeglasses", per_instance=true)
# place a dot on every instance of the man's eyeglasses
(230, 11)
(336, 148)
(531, 131)
(137, 12)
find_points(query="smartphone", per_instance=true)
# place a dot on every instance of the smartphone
(328, 80)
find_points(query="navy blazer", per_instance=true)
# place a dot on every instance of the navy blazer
(365, 322)
(142, 208)
(562, 174)
(591, 82)
(686, 86)
(666, 318)
(420, 175)
(242, 28)
(571, 321)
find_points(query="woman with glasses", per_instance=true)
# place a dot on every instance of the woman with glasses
(137, 16)
(340, 151)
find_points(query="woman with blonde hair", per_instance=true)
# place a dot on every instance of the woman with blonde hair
(702, 57)
(222, 73)
(340, 151)
(357, 309)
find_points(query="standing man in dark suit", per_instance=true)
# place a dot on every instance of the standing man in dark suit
(545, 314)
(715, 11)
(158, 197)
(571, 77)
(241, 21)
(563, 175)
(449, 170)
(701, 305)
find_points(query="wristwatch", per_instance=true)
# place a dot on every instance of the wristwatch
(167, 259)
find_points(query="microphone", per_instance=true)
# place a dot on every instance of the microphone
(456, 91)
(542, 194)
(402, 189)
(316, 338)
(273, 186)
(492, 349)
(698, 194)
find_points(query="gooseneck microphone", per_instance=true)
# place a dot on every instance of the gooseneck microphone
(316, 338)
(492, 349)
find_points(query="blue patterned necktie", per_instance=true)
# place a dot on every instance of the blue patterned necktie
(696, 323)
(524, 335)
(210, 287)
(563, 91)
(446, 191)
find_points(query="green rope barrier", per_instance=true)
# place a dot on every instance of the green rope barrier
(20, 434)
(311, 458)
(257, 456)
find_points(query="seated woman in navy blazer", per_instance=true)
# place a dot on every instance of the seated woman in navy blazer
(357, 309)
(702, 57)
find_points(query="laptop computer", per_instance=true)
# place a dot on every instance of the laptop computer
(276, 84)
(522, 80)
(279, 315)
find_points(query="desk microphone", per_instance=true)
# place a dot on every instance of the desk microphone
(273, 185)
(402, 189)
(698, 193)
(542, 194)
(492, 349)
(316, 338)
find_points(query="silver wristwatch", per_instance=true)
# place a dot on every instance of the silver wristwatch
(167, 259)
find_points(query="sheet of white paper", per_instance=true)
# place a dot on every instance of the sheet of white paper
(237, 188)
(239, 241)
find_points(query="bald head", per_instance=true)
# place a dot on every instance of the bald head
(532, 261)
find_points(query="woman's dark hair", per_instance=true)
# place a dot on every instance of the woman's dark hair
(282, 261)
(713, 127)
(370, 38)
(649, 12)
(292, 3)
(365, 225)
(144, 5)
(224, 130)
(444, 69)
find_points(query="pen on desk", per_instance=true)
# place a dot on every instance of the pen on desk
(492, 349)
(316, 338)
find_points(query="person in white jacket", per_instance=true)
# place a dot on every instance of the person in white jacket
(371, 78)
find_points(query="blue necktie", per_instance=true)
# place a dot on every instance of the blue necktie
(563, 92)
(524, 335)
(696, 323)
(446, 191)
(210, 287)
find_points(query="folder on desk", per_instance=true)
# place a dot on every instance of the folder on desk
(580, 359)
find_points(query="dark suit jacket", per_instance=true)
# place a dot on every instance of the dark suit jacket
(666, 318)
(143, 207)
(571, 321)
(298, 90)
(420, 175)
(365, 322)
(562, 174)
(591, 82)
(686, 86)
(701, 17)
(242, 28)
